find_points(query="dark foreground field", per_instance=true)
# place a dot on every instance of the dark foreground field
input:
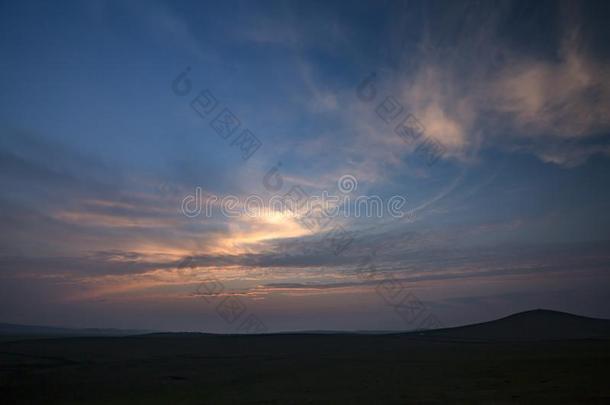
(300, 368)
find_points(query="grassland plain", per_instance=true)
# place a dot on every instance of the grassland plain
(301, 368)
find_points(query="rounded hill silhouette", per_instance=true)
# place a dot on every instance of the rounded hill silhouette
(538, 324)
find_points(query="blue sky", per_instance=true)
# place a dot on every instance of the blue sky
(97, 153)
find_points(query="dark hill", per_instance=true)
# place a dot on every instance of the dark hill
(533, 325)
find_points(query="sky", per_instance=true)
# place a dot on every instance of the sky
(129, 130)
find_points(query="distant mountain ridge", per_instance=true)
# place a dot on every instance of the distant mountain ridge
(534, 325)
(15, 329)
(538, 324)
